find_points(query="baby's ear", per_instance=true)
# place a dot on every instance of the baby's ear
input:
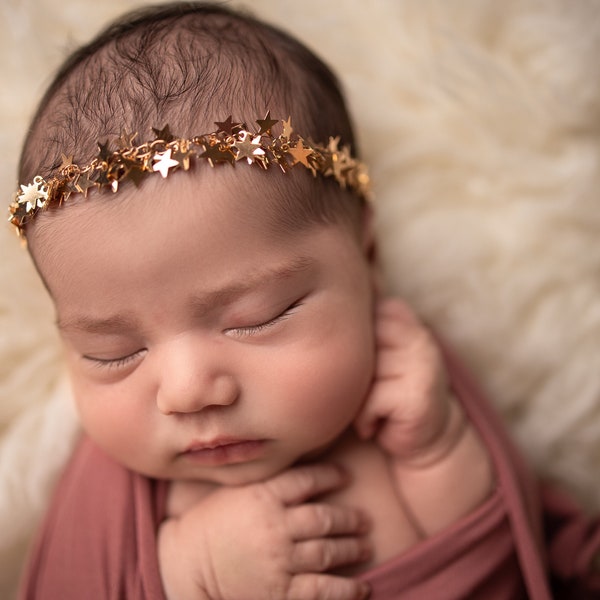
(367, 234)
(369, 246)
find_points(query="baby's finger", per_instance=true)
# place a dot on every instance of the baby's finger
(383, 402)
(368, 420)
(398, 327)
(318, 556)
(396, 310)
(395, 307)
(299, 484)
(310, 521)
(308, 586)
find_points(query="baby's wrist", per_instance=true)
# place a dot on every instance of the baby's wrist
(443, 441)
(179, 581)
(457, 467)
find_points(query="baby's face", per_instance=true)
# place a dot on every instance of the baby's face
(201, 344)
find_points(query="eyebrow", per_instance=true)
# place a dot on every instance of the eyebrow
(114, 324)
(124, 323)
(253, 280)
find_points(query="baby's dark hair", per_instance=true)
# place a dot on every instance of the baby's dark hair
(188, 64)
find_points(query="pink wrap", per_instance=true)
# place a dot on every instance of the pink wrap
(99, 536)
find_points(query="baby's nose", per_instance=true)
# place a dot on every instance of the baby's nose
(192, 380)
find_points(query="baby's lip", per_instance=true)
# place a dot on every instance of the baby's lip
(224, 451)
(199, 445)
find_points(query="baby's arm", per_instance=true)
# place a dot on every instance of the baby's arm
(266, 540)
(442, 469)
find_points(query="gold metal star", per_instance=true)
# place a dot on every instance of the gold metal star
(70, 187)
(135, 172)
(18, 213)
(164, 162)
(227, 125)
(214, 154)
(287, 128)
(266, 124)
(33, 195)
(248, 148)
(163, 134)
(301, 154)
(342, 161)
(84, 183)
(326, 164)
(103, 152)
(334, 165)
(66, 162)
(333, 144)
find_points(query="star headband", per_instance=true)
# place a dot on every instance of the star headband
(230, 143)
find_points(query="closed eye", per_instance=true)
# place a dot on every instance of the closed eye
(250, 330)
(117, 362)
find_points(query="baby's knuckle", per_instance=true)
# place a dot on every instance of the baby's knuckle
(302, 588)
(324, 519)
(306, 479)
(324, 556)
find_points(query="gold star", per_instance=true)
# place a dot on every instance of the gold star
(301, 154)
(163, 134)
(66, 162)
(248, 148)
(70, 187)
(33, 195)
(84, 183)
(326, 164)
(266, 124)
(227, 125)
(164, 162)
(103, 152)
(341, 162)
(18, 213)
(332, 146)
(135, 172)
(214, 154)
(287, 128)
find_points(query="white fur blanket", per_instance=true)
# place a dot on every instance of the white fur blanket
(481, 122)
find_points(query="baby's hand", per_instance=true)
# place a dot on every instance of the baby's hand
(409, 410)
(441, 467)
(266, 541)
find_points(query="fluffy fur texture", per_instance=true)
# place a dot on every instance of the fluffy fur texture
(481, 121)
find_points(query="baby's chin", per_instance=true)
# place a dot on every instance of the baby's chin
(236, 475)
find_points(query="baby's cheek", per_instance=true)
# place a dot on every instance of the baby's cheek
(347, 378)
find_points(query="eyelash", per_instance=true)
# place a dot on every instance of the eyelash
(250, 330)
(114, 363)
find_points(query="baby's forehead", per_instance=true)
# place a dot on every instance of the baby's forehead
(269, 200)
(231, 221)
